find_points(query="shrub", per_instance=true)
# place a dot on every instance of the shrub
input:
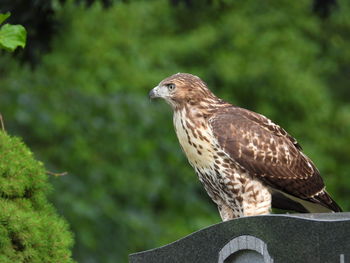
(30, 229)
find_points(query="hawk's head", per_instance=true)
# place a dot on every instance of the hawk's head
(181, 89)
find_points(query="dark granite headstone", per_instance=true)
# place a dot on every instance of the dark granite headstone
(304, 238)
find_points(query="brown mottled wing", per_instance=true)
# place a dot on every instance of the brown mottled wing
(267, 151)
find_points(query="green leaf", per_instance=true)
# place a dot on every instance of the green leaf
(3, 17)
(12, 36)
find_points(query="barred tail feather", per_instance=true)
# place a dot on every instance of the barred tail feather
(320, 203)
(326, 200)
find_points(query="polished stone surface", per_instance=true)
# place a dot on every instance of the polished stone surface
(288, 238)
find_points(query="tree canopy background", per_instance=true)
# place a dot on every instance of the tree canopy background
(81, 103)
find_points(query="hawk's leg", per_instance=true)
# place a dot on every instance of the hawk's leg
(226, 212)
(256, 201)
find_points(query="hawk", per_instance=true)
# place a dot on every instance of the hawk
(246, 163)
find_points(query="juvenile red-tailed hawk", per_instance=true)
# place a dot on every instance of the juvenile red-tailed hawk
(246, 163)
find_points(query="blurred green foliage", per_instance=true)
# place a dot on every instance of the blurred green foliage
(30, 230)
(85, 109)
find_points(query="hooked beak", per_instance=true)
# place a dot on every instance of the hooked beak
(153, 93)
(158, 92)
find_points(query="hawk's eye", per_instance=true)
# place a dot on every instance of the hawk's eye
(171, 86)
